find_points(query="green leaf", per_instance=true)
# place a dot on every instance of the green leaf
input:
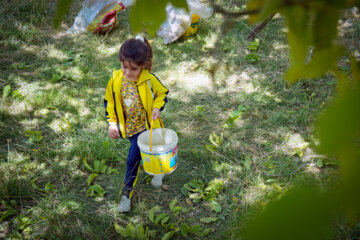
(313, 208)
(215, 206)
(62, 8)
(172, 204)
(16, 94)
(176, 210)
(195, 228)
(212, 139)
(185, 229)
(95, 190)
(65, 125)
(214, 188)
(183, 191)
(164, 220)
(185, 210)
(152, 212)
(179, 4)
(167, 235)
(91, 178)
(325, 27)
(103, 166)
(236, 113)
(322, 61)
(24, 222)
(211, 148)
(120, 230)
(139, 231)
(208, 219)
(96, 166)
(130, 229)
(6, 91)
(254, 45)
(87, 166)
(36, 187)
(242, 108)
(22, 66)
(159, 217)
(340, 121)
(319, 163)
(199, 108)
(140, 19)
(267, 8)
(112, 171)
(195, 185)
(55, 78)
(230, 122)
(49, 187)
(196, 197)
(34, 136)
(151, 234)
(252, 58)
(203, 233)
(9, 212)
(299, 39)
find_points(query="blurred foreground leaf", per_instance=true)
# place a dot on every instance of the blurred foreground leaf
(61, 9)
(150, 14)
(302, 213)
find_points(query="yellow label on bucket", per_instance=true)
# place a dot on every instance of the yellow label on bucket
(160, 163)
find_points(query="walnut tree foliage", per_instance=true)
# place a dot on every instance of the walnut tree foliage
(303, 212)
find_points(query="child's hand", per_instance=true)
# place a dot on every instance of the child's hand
(114, 132)
(155, 113)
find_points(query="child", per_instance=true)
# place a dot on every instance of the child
(134, 97)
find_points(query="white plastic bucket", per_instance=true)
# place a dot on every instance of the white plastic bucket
(162, 158)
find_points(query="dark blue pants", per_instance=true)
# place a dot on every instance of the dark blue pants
(133, 166)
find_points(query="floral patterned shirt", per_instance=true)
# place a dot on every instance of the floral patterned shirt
(135, 114)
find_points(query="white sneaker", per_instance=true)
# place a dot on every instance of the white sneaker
(125, 204)
(156, 181)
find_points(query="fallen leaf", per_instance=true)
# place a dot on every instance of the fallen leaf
(189, 202)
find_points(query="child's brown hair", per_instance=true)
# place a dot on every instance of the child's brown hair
(137, 50)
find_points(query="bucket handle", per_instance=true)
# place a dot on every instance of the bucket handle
(151, 128)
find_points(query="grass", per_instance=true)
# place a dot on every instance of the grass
(62, 82)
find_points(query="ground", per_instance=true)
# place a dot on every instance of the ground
(55, 120)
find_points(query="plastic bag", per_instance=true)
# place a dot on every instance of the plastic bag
(180, 23)
(98, 16)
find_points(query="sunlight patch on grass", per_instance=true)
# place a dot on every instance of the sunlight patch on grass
(41, 112)
(272, 96)
(245, 83)
(97, 125)
(75, 73)
(210, 40)
(53, 52)
(195, 81)
(19, 108)
(107, 51)
(30, 123)
(29, 89)
(55, 125)
(15, 157)
(279, 46)
(294, 144)
(29, 48)
(252, 194)
(259, 76)
(227, 168)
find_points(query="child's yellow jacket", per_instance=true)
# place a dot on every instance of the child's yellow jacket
(152, 94)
